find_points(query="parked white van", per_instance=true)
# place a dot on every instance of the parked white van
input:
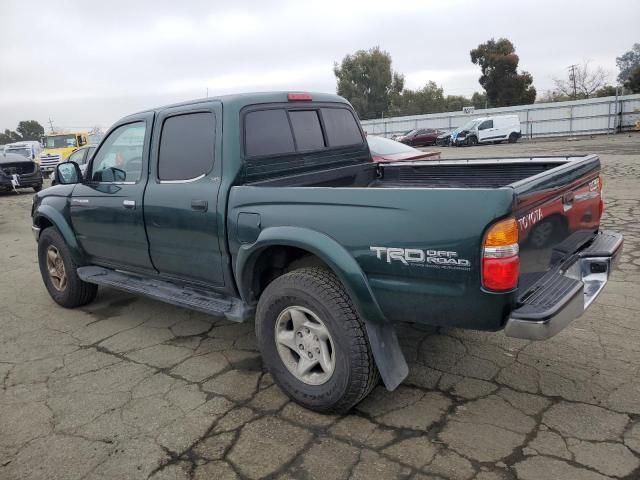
(29, 148)
(488, 129)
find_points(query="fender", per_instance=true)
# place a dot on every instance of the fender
(61, 223)
(386, 350)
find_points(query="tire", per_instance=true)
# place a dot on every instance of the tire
(73, 292)
(37, 188)
(513, 138)
(472, 141)
(319, 296)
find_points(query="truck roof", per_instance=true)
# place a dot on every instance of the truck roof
(240, 100)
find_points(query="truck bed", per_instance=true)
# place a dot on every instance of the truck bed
(443, 205)
(456, 173)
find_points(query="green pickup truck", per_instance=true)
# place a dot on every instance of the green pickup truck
(269, 206)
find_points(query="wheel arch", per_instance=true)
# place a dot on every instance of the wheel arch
(298, 243)
(46, 216)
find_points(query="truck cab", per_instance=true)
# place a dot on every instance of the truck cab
(58, 146)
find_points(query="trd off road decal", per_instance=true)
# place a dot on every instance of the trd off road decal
(443, 259)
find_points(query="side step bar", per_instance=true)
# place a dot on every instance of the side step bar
(187, 297)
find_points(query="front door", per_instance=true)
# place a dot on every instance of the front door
(106, 209)
(486, 132)
(181, 201)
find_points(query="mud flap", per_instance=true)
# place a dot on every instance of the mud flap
(387, 353)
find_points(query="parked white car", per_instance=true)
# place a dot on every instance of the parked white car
(488, 129)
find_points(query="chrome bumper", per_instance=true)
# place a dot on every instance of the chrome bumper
(36, 232)
(590, 272)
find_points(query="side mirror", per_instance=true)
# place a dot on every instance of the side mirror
(68, 173)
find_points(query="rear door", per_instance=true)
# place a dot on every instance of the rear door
(106, 210)
(181, 201)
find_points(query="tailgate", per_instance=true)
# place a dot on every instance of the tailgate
(558, 213)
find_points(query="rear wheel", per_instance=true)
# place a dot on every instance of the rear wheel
(313, 342)
(59, 272)
(513, 138)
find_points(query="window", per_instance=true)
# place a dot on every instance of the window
(90, 153)
(186, 146)
(267, 132)
(485, 125)
(77, 156)
(341, 126)
(120, 156)
(306, 129)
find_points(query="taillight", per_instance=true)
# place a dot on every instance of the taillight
(299, 97)
(500, 260)
(601, 203)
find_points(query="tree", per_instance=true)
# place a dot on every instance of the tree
(30, 130)
(605, 91)
(479, 100)
(428, 99)
(633, 82)
(368, 82)
(628, 62)
(582, 81)
(500, 79)
(455, 103)
(9, 136)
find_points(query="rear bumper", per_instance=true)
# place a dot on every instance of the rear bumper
(564, 293)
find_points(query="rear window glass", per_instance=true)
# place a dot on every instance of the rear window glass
(186, 146)
(342, 128)
(267, 132)
(306, 129)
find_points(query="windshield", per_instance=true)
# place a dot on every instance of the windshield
(410, 133)
(384, 146)
(24, 151)
(469, 125)
(60, 141)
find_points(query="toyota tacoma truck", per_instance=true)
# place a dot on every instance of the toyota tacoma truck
(269, 206)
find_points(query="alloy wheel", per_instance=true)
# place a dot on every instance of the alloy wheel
(305, 345)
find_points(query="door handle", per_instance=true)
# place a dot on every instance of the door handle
(129, 203)
(199, 205)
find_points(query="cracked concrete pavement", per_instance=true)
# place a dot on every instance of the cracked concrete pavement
(132, 388)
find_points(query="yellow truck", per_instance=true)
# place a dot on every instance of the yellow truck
(58, 146)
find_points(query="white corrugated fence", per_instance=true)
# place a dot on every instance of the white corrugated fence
(579, 117)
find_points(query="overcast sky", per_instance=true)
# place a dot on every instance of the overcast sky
(89, 63)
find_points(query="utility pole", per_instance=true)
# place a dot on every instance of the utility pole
(572, 78)
(50, 124)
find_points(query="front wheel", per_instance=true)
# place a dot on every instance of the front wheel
(472, 141)
(59, 272)
(37, 187)
(313, 342)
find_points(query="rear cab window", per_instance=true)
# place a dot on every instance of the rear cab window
(282, 130)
